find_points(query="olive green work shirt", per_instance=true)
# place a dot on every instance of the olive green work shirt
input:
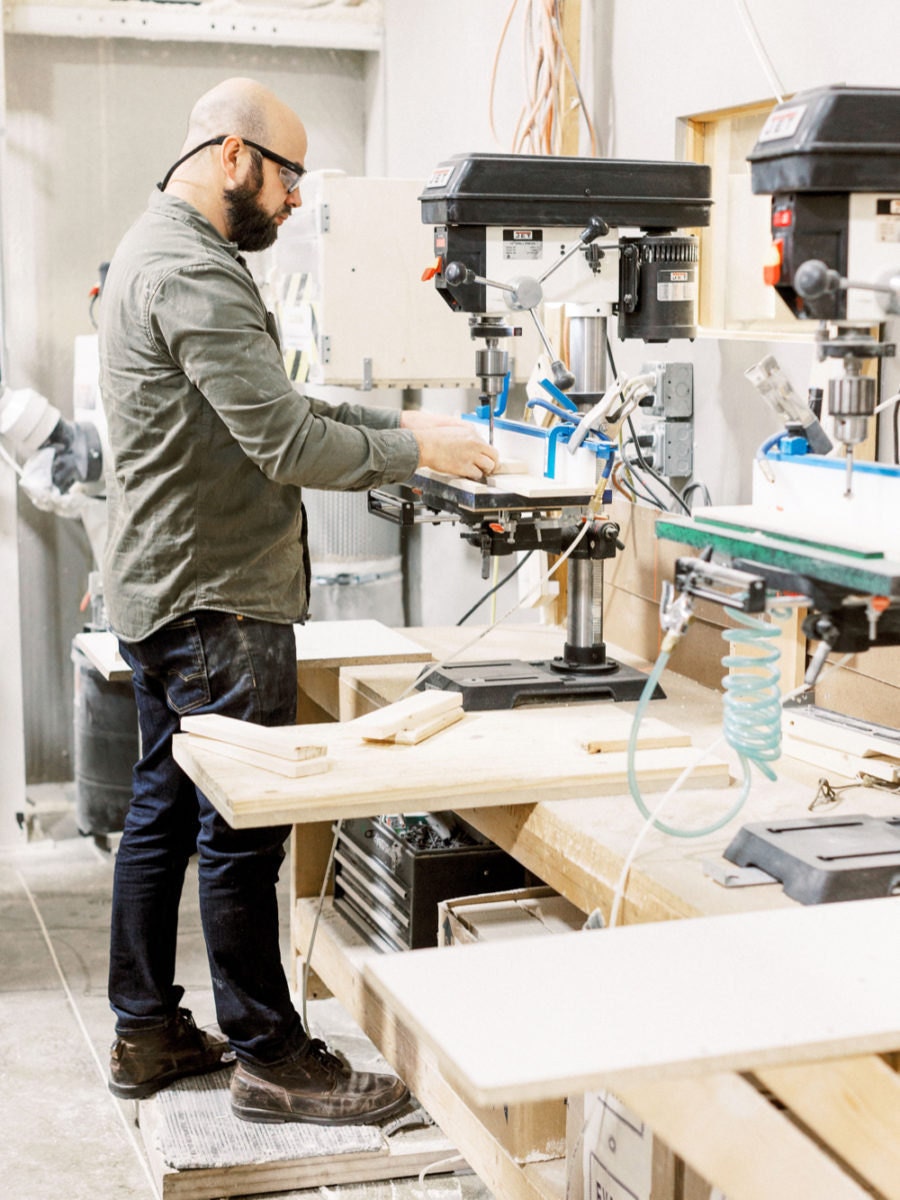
(209, 442)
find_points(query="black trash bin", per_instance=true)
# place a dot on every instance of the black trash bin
(106, 748)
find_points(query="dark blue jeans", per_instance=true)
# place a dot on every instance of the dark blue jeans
(204, 662)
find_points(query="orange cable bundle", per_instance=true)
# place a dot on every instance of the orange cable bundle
(546, 66)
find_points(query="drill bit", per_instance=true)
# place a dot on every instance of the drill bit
(848, 478)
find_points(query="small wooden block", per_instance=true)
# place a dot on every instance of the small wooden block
(290, 768)
(415, 712)
(292, 742)
(412, 737)
(651, 736)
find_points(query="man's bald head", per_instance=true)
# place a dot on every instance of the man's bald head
(240, 106)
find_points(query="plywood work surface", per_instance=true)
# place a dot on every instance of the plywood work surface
(644, 1003)
(489, 758)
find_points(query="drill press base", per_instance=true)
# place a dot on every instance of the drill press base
(512, 683)
(824, 859)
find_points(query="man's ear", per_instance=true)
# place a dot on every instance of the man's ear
(230, 153)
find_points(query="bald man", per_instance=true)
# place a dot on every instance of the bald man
(205, 573)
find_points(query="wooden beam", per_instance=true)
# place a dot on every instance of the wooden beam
(736, 1139)
(571, 116)
(853, 1105)
(575, 863)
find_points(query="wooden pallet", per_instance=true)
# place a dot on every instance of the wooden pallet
(407, 1153)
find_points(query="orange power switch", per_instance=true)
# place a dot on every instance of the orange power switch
(435, 269)
(772, 265)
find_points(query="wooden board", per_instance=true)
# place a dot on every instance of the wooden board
(489, 758)
(652, 1002)
(290, 768)
(101, 649)
(319, 644)
(845, 749)
(527, 486)
(653, 735)
(721, 1122)
(343, 643)
(428, 710)
(738, 1141)
(292, 742)
(853, 1105)
(829, 760)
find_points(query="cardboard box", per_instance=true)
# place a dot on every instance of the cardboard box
(622, 1159)
(529, 1132)
(499, 915)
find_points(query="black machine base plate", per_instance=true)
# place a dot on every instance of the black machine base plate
(823, 859)
(511, 683)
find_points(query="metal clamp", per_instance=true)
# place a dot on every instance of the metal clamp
(706, 580)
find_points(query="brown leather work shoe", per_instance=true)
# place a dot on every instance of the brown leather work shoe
(142, 1063)
(315, 1087)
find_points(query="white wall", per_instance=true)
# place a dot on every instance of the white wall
(659, 62)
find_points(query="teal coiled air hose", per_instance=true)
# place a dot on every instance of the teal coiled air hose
(751, 712)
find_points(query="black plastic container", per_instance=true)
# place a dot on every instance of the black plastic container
(389, 878)
(106, 749)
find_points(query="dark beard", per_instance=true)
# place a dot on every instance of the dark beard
(248, 224)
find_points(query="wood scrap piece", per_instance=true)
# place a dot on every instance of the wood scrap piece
(414, 713)
(841, 762)
(412, 737)
(290, 768)
(652, 735)
(296, 743)
(861, 742)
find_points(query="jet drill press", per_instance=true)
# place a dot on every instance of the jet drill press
(601, 238)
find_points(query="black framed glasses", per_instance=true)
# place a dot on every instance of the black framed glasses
(290, 173)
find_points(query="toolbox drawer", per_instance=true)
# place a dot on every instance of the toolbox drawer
(390, 874)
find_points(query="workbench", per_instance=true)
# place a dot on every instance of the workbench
(792, 1130)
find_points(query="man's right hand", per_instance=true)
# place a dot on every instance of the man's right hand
(456, 450)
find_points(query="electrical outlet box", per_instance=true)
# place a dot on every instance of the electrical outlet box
(670, 413)
(673, 447)
(673, 393)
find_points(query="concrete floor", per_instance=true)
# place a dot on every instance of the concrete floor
(63, 1133)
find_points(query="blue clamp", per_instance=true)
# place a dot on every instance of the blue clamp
(564, 414)
(793, 446)
(559, 396)
(562, 434)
